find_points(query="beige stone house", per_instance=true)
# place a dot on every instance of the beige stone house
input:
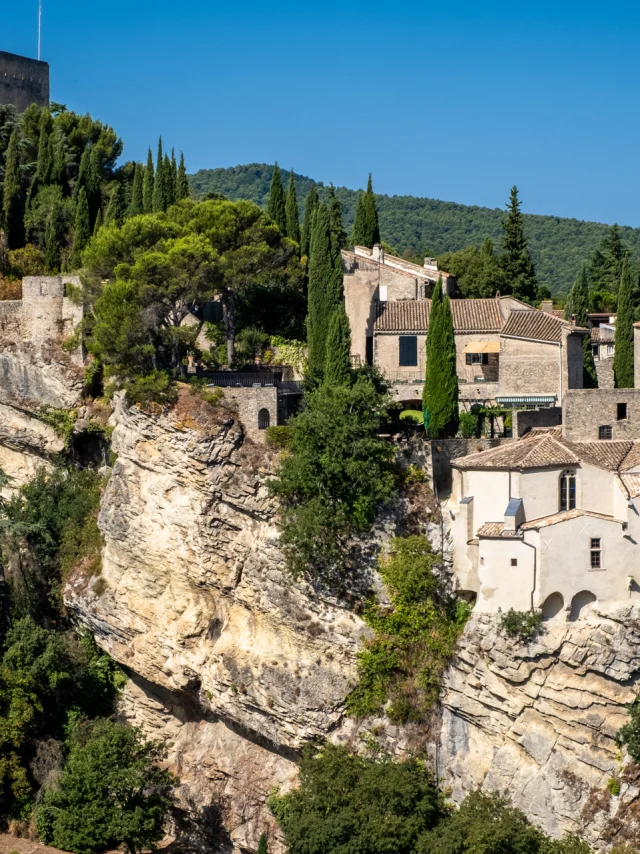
(552, 520)
(507, 352)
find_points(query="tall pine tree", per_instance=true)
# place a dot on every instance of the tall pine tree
(310, 205)
(182, 182)
(277, 208)
(13, 201)
(440, 394)
(52, 240)
(136, 207)
(516, 258)
(160, 183)
(169, 182)
(359, 235)
(147, 185)
(338, 234)
(337, 370)
(42, 175)
(623, 355)
(116, 209)
(319, 304)
(81, 230)
(293, 219)
(371, 214)
(579, 302)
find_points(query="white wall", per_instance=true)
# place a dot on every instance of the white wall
(490, 490)
(503, 586)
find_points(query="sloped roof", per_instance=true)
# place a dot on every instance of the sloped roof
(537, 325)
(536, 452)
(632, 484)
(605, 454)
(602, 335)
(491, 529)
(563, 516)
(632, 460)
(476, 315)
(403, 316)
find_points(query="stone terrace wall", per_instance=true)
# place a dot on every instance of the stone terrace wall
(585, 410)
(526, 419)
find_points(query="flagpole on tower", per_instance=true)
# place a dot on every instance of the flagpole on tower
(39, 25)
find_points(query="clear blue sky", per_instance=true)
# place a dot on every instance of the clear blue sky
(451, 100)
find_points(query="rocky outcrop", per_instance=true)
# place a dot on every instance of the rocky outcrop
(233, 665)
(537, 722)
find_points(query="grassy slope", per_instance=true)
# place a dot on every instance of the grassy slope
(559, 246)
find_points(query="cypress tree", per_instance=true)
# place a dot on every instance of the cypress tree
(371, 216)
(42, 174)
(293, 219)
(13, 196)
(116, 208)
(136, 206)
(277, 208)
(338, 234)
(52, 241)
(359, 235)
(59, 162)
(440, 394)
(337, 370)
(516, 259)
(174, 177)
(159, 184)
(579, 303)
(169, 182)
(182, 182)
(623, 356)
(262, 844)
(320, 270)
(99, 222)
(82, 229)
(147, 185)
(310, 205)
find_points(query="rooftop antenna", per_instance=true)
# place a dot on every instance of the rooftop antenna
(39, 25)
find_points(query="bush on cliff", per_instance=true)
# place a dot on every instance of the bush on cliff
(414, 639)
(332, 479)
(629, 735)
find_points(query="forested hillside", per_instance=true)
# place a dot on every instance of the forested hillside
(431, 227)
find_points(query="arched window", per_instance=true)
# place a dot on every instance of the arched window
(568, 490)
(264, 419)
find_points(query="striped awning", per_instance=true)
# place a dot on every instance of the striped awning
(524, 398)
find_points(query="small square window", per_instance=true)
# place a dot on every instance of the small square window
(595, 543)
(514, 561)
(605, 432)
(622, 411)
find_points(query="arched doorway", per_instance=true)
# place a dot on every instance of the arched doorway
(580, 604)
(264, 419)
(552, 606)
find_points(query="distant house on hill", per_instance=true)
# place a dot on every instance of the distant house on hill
(508, 353)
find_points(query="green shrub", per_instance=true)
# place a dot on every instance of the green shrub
(613, 786)
(156, 387)
(62, 421)
(347, 803)
(629, 735)
(414, 641)
(524, 625)
(414, 474)
(111, 792)
(413, 415)
(278, 437)
(468, 425)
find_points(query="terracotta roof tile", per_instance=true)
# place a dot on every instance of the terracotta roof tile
(632, 460)
(632, 483)
(563, 516)
(536, 325)
(491, 529)
(602, 335)
(607, 455)
(537, 452)
(469, 315)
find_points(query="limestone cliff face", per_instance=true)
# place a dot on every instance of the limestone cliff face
(232, 664)
(537, 722)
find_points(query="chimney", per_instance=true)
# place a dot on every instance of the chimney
(546, 306)
(377, 253)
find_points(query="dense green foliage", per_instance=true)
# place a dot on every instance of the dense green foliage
(111, 792)
(401, 668)
(629, 734)
(277, 208)
(524, 625)
(623, 356)
(350, 805)
(366, 230)
(293, 215)
(515, 259)
(332, 479)
(421, 226)
(338, 363)
(310, 205)
(478, 271)
(440, 394)
(578, 305)
(324, 290)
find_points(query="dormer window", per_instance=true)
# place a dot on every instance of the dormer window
(568, 490)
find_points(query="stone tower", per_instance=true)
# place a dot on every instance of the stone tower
(23, 81)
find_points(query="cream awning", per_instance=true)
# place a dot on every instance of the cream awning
(482, 347)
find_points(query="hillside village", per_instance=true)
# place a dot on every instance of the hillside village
(304, 547)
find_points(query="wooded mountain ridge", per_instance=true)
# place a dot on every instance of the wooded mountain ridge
(431, 227)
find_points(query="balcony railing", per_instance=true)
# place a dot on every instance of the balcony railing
(245, 379)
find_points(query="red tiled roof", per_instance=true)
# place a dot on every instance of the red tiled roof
(537, 326)
(602, 335)
(469, 315)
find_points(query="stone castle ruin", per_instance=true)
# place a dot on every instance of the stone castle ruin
(23, 81)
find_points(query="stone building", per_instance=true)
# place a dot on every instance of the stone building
(23, 81)
(552, 520)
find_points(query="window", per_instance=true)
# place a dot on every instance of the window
(477, 358)
(568, 490)
(595, 352)
(596, 554)
(408, 351)
(622, 411)
(514, 561)
(264, 419)
(605, 432)
(610, 349)
(383, 293)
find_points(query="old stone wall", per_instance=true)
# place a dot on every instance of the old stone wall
(529, 368)
(586, 410)
(23, 81)
(526, 419)
(250, 402)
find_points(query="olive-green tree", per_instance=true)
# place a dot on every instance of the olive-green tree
(338, 357)
(293, 219)
(623, 369)
(277, 207)
(440, 395)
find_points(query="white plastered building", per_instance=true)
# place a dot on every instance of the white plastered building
(545, 523)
